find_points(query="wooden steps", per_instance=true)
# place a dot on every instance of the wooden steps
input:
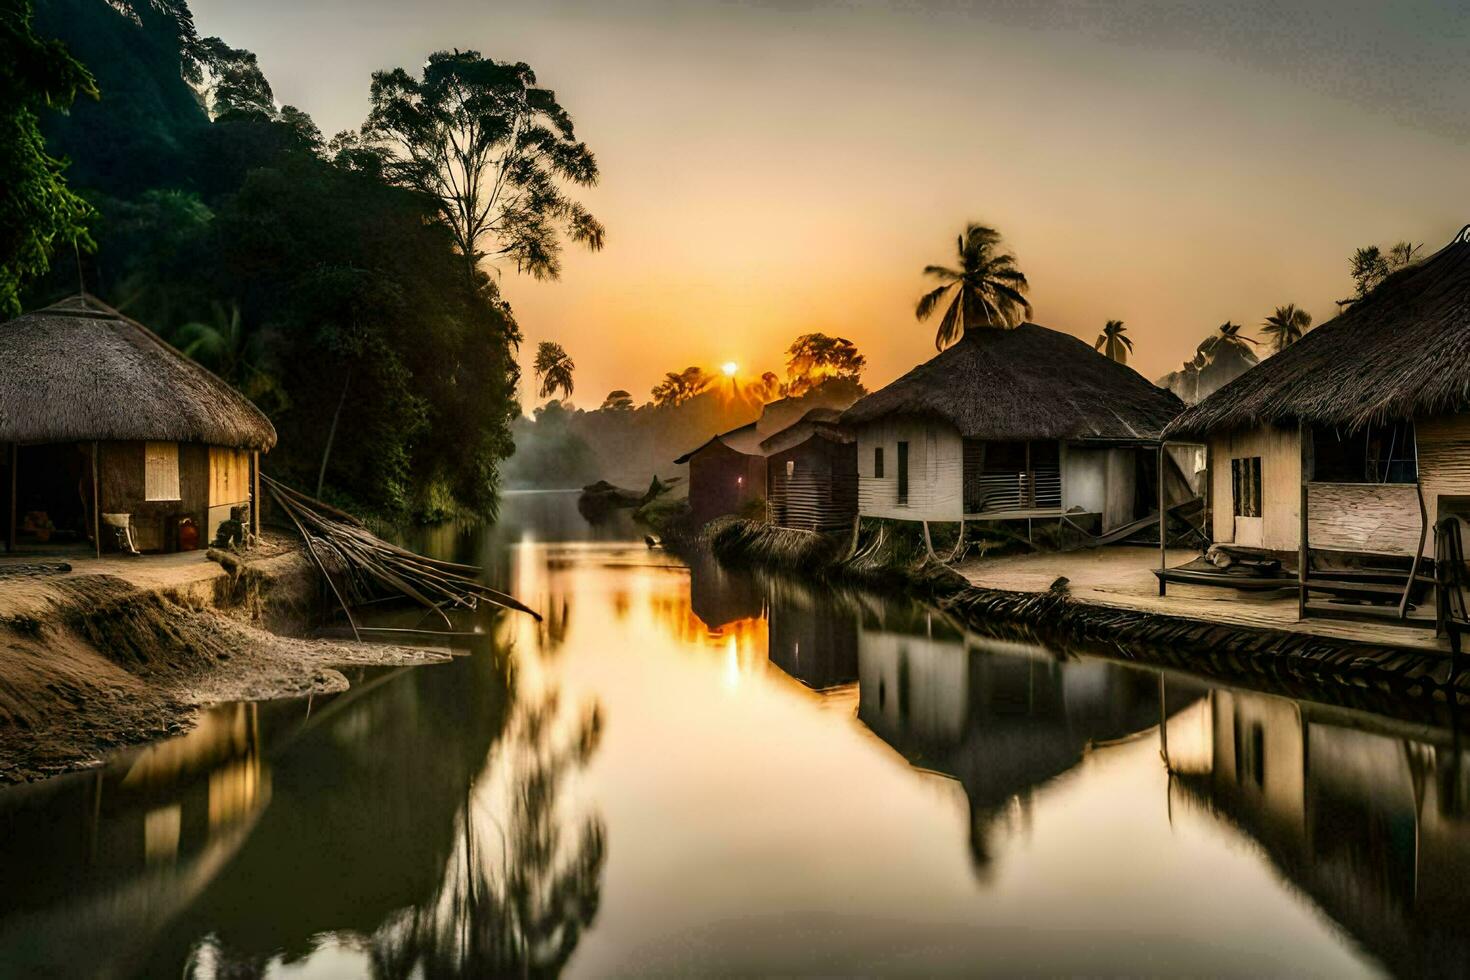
(1387, 591)
(1336, 610)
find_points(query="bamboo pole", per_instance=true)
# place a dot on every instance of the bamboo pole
(370, 565)
(325, 572)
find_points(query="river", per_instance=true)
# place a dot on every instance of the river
(687, 770)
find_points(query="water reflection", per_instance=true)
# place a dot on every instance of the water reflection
(109, 858)
(1368, 818)
(1000, 718)
(687, 770)
(373, 818)
(518, 893)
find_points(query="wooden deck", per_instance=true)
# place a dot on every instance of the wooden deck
(1122, 577)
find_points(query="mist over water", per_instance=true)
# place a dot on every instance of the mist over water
(685, 769)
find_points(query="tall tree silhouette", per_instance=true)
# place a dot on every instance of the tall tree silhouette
(987, 290)
(494, 150)
(1114, 342)
(1286, 326)
(678, 388)
(814, 358)
(553, 370)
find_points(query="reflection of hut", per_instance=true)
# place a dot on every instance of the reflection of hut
(1365, 422)
(99, 417)
(1373, 826)
(813, 635)
(1002, 720)
(1013, 424)
(719, 596)
(726, 474)
(811, 473)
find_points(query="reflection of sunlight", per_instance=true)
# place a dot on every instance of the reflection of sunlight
(732, 664)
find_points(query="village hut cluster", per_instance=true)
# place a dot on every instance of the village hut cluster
(1338, 468)
(115, 441)
(1007, 425)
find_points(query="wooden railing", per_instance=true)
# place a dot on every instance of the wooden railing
(999, 492)
(1451, 580)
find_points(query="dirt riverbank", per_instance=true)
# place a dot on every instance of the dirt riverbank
(117, 652)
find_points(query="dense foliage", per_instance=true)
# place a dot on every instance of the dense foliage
(38, 212)
(294, 267)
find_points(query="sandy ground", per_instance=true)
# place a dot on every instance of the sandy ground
(120, 651)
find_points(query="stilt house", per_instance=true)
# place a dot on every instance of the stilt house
(727, 474)
(103, 425)
(1014, 424)
(811, 473)
(1348, 454)
(805, 473)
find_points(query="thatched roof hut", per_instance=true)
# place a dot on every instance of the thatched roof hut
(1029, 382)
(1400, 353)
(80, 370)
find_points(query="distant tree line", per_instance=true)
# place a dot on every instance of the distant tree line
(623, 442)
(341, 283)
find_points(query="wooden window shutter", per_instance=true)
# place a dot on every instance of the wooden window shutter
(161, 471)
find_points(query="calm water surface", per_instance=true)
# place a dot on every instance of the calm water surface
(683, 770)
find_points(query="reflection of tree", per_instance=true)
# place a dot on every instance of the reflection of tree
(518, 894)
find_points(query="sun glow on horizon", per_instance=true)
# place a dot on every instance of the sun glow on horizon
(729, 368)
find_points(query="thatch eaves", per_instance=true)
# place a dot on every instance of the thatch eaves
(1029, 382)
(80, 370)
(742, 439)
(1400, 353)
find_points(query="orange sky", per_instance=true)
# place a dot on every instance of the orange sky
(772, 168)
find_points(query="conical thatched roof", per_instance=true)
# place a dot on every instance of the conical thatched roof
(1401, 352)
(1025, 383)
(80, 370)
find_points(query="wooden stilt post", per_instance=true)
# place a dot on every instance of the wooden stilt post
(857, 524)
(96, 503)
(929, 542)
(1163, 523)
(1303, 559)
(255, 492)
(14, 491)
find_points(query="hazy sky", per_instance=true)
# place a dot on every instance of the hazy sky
(773, 168)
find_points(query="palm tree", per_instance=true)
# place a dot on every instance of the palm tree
(1113, 342)
(227, 348)
(989, 291)
(553, 369)
(1286, 326)
(1227, 339)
